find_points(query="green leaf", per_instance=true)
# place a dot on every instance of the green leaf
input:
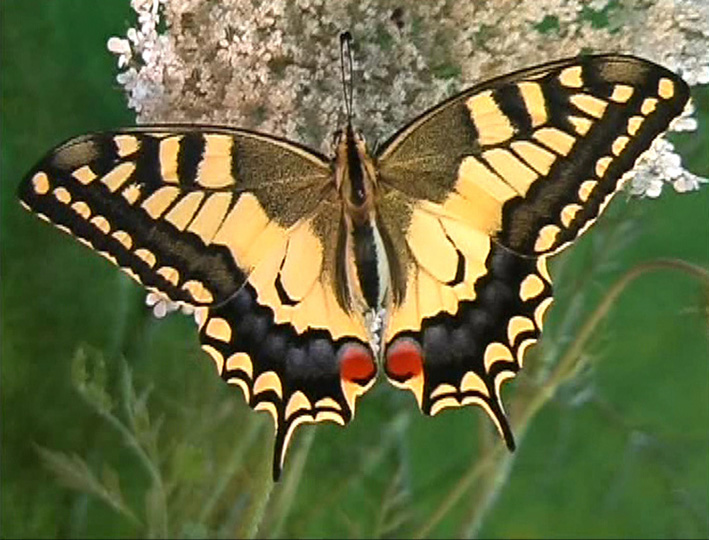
(74, 473)
(88, 375)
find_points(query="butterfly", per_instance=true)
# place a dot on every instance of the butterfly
(424, 259)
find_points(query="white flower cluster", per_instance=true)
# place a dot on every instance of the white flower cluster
(141, 54)
(162, 305)
(660, 166)
(273, 65)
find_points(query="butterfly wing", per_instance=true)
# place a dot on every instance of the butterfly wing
(480, 190)
(238, 225)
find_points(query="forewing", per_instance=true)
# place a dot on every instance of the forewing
(477, 192)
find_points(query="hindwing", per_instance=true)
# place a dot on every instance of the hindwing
(479, 190)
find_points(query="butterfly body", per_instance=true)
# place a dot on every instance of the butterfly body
(425, 259)
(367, 272)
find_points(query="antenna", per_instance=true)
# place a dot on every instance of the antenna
(346, 67)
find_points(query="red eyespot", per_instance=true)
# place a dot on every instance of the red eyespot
(357, 364)
(404, 360)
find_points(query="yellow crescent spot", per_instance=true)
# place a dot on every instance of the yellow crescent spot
(81, 208)
(170, 274)
(298, 401)
(477, 400)
(443, 403)
(351, 391)
(243, 385)
(40, 183)
(648, 105)
(517, 325)
(568, 213)
(571, 77)
(108, 256)
(496, 352)
(602, 165)
(531, 287)
(542, 268)
(501, 377)
(270, 408)
(547, 238)
(101, 223)
(329, 416)
(472, 382)
(200, 316)
(289, 433)
(665, 88)
(443, 388)
(216, 356)
(146, 255)
(198, 291)
(219, 329)
(634, 123)
(541, 311)
(619, 144)
(586, 189)
(268, 381)
(327, 402)
(124, 238)
(240, 361)
(522, 350)
(62, 195)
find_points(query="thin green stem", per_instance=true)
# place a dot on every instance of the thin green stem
(235, 462)
(288, 491)
(152, 470)
(257, 508)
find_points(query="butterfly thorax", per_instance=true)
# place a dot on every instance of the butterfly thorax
(367, 271)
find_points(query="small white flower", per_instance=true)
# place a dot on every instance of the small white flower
(128, 78)
(200, 315)
(654, 188)
(688, 182)
(132, 34)
(160, 303)
(685, 123)
(119, 46)
(645, 182)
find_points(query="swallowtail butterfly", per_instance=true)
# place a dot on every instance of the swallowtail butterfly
(425, 259)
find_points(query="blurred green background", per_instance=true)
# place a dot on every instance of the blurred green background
(114, 425)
